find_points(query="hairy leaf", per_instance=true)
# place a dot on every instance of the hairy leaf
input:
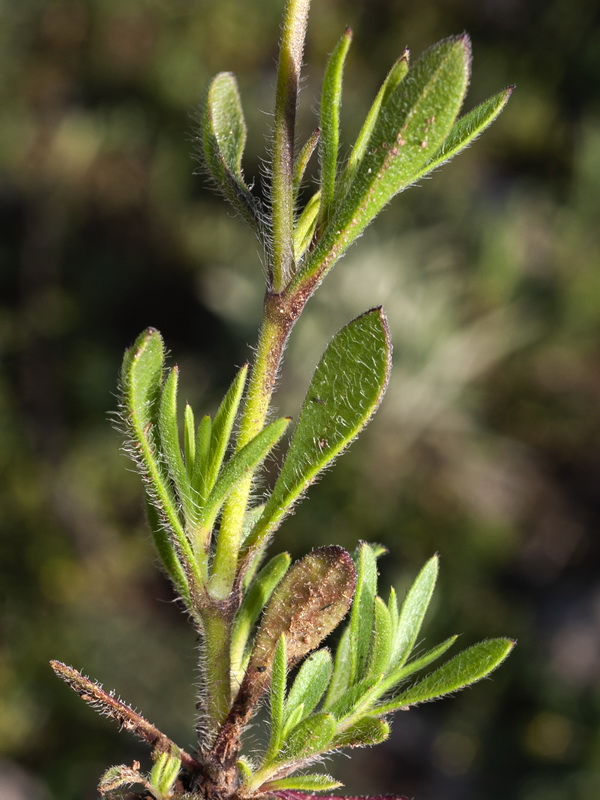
(467, 128)
(365, 732)
(310, 737)
(253, 603)
(164, 772)
(222, 427)
(464, 669)
(304, 783)
(413, 612)
(303, 158)
(189, 439)
(223, 142)
(277, 688)
(341, 670)
(419, 663)
(331, 98)
(311, 682)
(141, 382)
(393, 78)
(170, 444)
(361, 619)
(344, 393)
(306, 606)
(411, 126)
(381, 641)
(241, 464)
(201, 462)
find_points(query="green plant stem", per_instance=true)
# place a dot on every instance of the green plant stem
(274, 332)
(275, 329)
(282, 187)
(217, 637)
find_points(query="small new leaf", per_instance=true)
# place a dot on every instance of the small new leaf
(419, 663)
(278, 683)
(223, 142)
(310, 684)
(120, 776)
(361, 619)
(303, 783)
(331, 99)
(170, 445)
(393, 78)
(413, 612)
(311, 737)
(381, 641)
(164, 773)
(241, 464)
(365, 732)
(222, 427)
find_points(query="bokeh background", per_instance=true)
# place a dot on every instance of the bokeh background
(487, 447)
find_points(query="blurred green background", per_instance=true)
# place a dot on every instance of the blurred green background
(486, 449)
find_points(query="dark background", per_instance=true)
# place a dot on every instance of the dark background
(487, 447)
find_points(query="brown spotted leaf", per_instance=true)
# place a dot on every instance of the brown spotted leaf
(309, 602)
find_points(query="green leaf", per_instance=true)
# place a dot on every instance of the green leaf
(295, 717)
(365, 732)
(344, 393)
(464, 669)
(413, 612)
(189, 439)
(381, 641)
(253, 603)
(311, 682)
(304, 783)
(201, 462)
(419, 663)
(306, 226)
(331, 98)
(170, 445)
(467, 128)
(141, 381)
(223, 142)
(164, 772)
(239, 466)
(167, 553)
(341, 670)
(358, 699)
(393, 612)
(310, 737)
(245, 768)
(411, 126)
(303, 158)
(222, 427)
(394, 77)
(361, 619)
(306, 606)
(278, 683)
(120, 776)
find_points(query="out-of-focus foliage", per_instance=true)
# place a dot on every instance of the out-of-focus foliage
(485, 450)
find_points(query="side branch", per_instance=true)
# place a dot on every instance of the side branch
(130, 720)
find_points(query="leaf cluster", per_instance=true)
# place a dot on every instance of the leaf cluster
(411, 129)
(342, 700)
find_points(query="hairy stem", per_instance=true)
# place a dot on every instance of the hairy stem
(274, 332)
